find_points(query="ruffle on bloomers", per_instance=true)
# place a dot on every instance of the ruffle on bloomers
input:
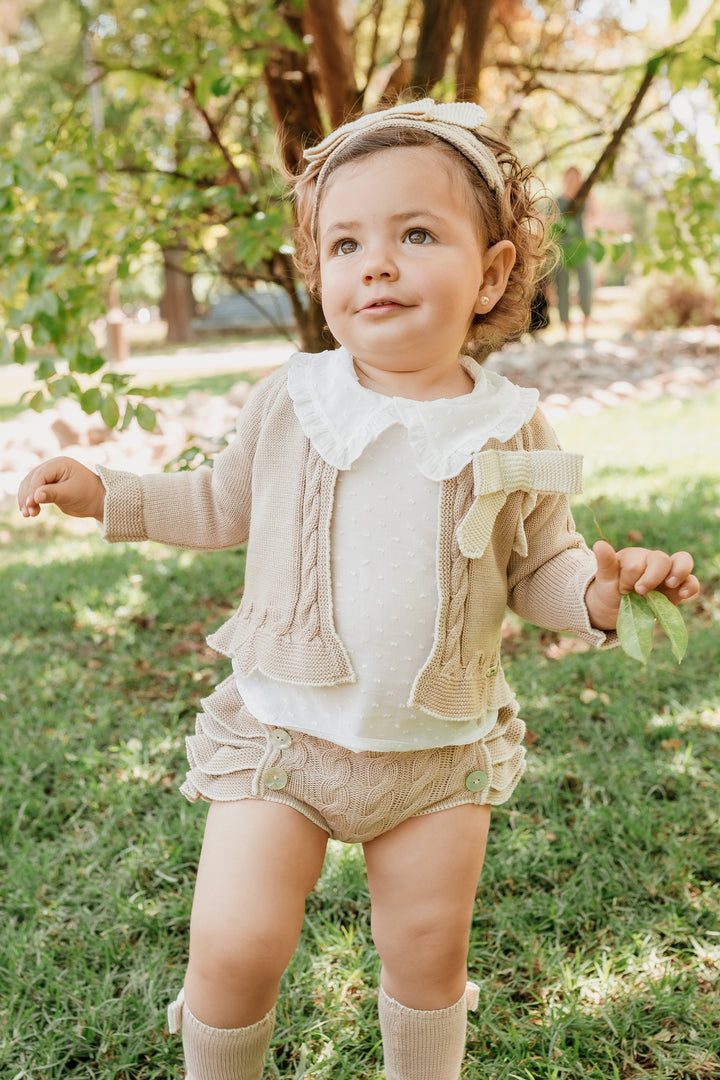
(352, 796)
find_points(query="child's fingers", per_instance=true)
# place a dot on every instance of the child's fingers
(670, 574)
(40, 486)
(607, 563)
(681, 569)
(47, 493)
(681, 583)
(642, 570)
(689, 589)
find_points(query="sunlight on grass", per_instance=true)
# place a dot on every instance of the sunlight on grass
(671, 435)
(138, 760)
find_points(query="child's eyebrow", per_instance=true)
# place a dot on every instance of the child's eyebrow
(342, 226)
(419, 212)
(404, 215)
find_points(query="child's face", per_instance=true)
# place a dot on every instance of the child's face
(402, 266)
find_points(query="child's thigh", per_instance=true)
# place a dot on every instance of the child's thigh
(423, 877)
(259, 861)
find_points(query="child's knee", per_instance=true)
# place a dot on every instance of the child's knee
(424, 947)
(258, 951)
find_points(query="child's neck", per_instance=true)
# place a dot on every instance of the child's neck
(423, 385)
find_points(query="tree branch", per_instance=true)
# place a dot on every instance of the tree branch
(440, 17)
(331, 48)
(215, 138)
(604, 162)
(477, 22)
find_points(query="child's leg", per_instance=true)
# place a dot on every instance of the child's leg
(584, 273)
(423, 877)
(259, 861)
(562, 287)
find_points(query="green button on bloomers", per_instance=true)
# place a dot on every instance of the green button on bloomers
(280, 737)
(275, 779)
(476, 781)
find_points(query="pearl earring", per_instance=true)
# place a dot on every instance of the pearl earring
(484, 300)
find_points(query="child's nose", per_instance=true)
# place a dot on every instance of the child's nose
(379, 263)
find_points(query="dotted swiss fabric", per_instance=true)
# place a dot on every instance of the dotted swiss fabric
(385, 599)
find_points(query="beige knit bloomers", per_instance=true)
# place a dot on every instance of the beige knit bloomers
(354, 797)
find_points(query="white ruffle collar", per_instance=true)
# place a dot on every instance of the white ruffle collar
(341, 417)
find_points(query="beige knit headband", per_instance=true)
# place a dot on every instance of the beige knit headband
(454, 123)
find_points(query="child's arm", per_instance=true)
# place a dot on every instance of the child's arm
(72, 487)
(640, 570)
(206, 509)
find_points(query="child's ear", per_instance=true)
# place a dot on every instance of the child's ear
(498, 261)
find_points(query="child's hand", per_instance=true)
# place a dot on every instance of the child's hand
(640, 570)
(73, 488)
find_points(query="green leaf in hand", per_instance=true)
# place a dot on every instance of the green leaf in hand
(635, 626)
(671, 621)
(636, 620)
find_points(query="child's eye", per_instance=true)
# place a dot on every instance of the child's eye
(344, 247)
(418, 236)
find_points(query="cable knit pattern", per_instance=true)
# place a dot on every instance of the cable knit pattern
(308, 615)
(353, 796)
(458, 588)
(263, 471)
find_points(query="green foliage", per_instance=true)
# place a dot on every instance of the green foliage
(636, 622)
(635, 626)
(131, 130)
(179, 163)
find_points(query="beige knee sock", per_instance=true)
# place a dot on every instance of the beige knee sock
(423, 1044)
(221, 1053)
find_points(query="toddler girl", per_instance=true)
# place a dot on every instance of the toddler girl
(394, 497)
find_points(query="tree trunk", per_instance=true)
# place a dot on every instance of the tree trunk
(292, 97)
(331, 51)
(477, 23)
(440, 17)
(177, 306)
(314, 334)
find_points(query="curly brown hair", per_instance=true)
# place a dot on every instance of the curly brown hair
(515, 216)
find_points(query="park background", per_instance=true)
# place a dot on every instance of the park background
(143, 232)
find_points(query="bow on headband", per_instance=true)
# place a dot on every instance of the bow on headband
(496, 474)
(454, 122)
(462, 113)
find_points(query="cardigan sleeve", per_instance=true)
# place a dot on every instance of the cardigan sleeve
(205, 509)
(547, 585)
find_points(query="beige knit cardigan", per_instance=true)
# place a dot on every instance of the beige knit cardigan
(506, 537)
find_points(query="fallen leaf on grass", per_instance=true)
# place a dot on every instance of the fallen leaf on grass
(671, 744)
(588, 695)
(565, 646)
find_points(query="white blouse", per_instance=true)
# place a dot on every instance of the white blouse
(391, 454)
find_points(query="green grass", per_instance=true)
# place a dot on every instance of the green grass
(596, 939)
